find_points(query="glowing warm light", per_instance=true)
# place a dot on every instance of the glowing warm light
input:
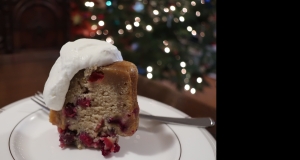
(193, 3)
(189, 28)
(165, 42)
(198, 13)
(105, 32)
(120, 31)
(176, 20)
(172, 8)
(184, 10)
(149, 69)
(137, 19)
(187, 87)
(89, 4)
(99, 32)
(120, 7)
(178, 4)
(101, 23)
(94, 27)
(167, 49)
(149, 75)
(166, 9)
(199, 79)
(164, 18)
(193, 90)
(149, 28)
(108, 39)
(202, 2)
(136, 24)
(93, 17)
(155, 12)
(92, 4)
(183, 71)
(156, 19)
(202, 34)
(194, 33)
(181, 19)
(182, 64)
(128, 26)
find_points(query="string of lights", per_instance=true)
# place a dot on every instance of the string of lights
(172, 40)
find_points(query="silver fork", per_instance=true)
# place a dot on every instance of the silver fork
(198, 122)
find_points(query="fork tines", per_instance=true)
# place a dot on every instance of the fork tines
(38, 98)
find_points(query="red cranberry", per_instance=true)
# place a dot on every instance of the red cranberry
(109, 146)
(108, 143)
(67, 138)
(122, 126)
(116, 148)
(60, 130)
(86, 139)
(96, 76)
(84, 102)
(105, 152)
(69, 110)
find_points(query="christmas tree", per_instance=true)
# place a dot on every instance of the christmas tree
(166, 39)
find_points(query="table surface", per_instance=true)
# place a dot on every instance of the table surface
(24, 73)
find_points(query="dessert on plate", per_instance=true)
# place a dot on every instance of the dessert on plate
(92, 95)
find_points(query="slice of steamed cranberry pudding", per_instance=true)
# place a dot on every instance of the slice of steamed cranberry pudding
(100, 104)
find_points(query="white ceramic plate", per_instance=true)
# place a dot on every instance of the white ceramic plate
(26, 134)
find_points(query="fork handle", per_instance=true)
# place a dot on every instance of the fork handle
(198, 122)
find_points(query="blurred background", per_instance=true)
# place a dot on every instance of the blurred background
(172, 42)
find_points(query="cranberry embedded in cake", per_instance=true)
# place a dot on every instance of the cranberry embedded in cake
(69, 110)
(84, 102)
(96, 76)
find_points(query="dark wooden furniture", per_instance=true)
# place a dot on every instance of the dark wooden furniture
(35, 24)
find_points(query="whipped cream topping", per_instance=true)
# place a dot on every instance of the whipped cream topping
(74, 56)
